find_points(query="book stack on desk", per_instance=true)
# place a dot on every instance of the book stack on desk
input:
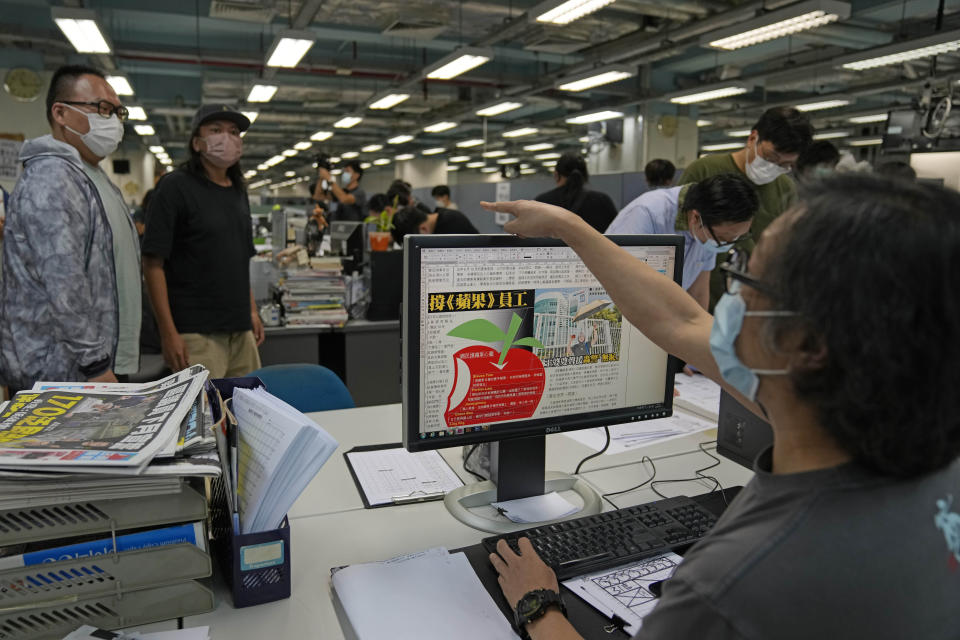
(96, 501)
(313, 295)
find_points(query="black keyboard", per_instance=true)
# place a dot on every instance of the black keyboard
(607, 540)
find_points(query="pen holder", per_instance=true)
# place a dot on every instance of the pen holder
(255, 566)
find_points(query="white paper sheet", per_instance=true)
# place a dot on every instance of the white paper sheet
(544, 508)
(624, 591)
(631, 435)
(395, 475)
(422, 596)
(698, 394)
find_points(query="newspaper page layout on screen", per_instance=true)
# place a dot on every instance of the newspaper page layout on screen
(518, 333)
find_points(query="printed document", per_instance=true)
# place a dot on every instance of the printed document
(395, 475)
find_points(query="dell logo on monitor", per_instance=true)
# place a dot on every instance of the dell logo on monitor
(552, 430)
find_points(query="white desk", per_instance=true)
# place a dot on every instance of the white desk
(330, 527)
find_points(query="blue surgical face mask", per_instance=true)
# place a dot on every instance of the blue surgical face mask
(710, 244)
(728, 318)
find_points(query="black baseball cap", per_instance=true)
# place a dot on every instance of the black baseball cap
(209, 112)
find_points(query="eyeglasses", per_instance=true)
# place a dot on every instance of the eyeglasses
(735, 275)
(727, 244)
(104, 108)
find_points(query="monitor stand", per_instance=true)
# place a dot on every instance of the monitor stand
(516, 471)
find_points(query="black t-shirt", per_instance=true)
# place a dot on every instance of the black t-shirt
(203, 232)
(452, 221)
(595, 207)
(353, 211)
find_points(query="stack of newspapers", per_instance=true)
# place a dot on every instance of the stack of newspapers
(314, 294)
(76, 437)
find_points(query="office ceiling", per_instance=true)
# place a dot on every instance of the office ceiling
(179, 53)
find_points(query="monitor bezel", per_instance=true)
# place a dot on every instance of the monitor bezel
(410, 344)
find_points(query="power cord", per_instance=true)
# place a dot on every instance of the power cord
(466, 459)
(698, 475)
(606, 445)
(653, 474)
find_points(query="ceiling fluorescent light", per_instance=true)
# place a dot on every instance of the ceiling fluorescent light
(288, 48)
(145, 130)
(472, 142)
(527, 172)
(494, 154)
(275, 160)
(457, 63)
(801, 16)
(821, 105)
(498, 108)
(365, 165)
(289, 152)
(399, 139)
(303, 146)
(251, 115)
(829, 135)
(347, 122)
(81, 29)
(877, 117)
(522, 131)
(943, 42)
(349, 154)
(389, 101)
(121, 85)
(476, 165)
(370, 148)
(437, 127)
(711, 94)
(434, 151)
(452, 167)
(596, 116)
(596, 78)
(722, 147)
(739, 133)
(489, 170)
(508, 161)
(547, 156)
(704, 123)
(136, 113)
(405, 156)
(550, 163)
(320, 136)
(289, 174)
(261, 93)
(565, 11)
(158, 149)
(540, 146)
(381, 161)
(459, 159)
(864, 142)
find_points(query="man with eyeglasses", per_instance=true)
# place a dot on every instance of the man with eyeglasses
(70, 300)
(770, 152)
(711, 215)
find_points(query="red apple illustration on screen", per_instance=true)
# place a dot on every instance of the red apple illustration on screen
(490, 385)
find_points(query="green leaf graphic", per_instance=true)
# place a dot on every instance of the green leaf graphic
(508, 341)
(480, 330)
(528, 342)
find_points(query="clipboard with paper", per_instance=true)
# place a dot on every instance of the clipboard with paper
(388, 475)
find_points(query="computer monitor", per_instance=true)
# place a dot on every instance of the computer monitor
(506, 340)
(347, 239)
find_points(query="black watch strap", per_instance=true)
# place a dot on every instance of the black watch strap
(534, 605)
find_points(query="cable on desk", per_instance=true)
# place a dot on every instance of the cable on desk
(653, 474)
(466, 459)
(698, 475)
(606, 445)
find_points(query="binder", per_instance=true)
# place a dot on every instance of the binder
(416, 496)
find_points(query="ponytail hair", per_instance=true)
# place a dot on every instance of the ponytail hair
(572, 167)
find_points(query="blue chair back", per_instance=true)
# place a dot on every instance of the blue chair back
(306, 387)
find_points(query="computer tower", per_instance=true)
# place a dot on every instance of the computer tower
(741, 434)
(386, 285)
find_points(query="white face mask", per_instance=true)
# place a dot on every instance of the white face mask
(761, 170)
(105, 133)
(223, 149)
(346, 178)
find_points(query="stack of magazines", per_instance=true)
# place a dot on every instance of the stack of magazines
(314, 294)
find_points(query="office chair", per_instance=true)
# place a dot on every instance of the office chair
(306, 387)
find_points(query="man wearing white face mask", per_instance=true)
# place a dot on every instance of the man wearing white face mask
(350, 196)
(71, 287)
(196, 253)
(770, 152)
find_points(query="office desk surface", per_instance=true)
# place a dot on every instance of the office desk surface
(333, 490)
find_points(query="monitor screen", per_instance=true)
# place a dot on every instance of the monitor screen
(508, 337)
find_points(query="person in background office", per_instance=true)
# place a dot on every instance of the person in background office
(571, 193)
(659, 173)
(711, 215)
(197, 250)
(898, 170)
(860, 489)
(400, 195)
(773, 146)
(70, 292)
(350, 196)
(377, 204)
(413, 220)
(818, 160)
(441, 193)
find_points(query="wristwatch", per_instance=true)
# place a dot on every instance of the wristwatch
(534, 605)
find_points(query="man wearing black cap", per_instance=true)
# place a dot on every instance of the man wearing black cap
(197, 249)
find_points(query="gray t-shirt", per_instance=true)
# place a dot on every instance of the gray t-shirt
(126, 261)
(836, 553)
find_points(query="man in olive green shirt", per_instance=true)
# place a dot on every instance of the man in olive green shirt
(770, 152)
